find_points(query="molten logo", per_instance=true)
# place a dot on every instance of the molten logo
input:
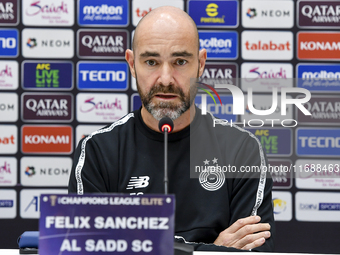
(47, 139)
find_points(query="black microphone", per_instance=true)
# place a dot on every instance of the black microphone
(166, 125)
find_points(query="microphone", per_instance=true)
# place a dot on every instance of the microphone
(166, 125)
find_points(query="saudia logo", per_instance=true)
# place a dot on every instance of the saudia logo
(90, 105)
(36, 8)
(5, 168)
(266, 74)
(6, 72)
(212, 12)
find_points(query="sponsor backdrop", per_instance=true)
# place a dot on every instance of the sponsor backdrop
(63, 76)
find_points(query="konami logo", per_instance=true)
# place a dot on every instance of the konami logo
(317, 45)
(267, 45)
(47, 139)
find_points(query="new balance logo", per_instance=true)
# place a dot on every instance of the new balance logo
(138, 182)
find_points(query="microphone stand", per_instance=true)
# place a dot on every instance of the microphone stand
(166, 126)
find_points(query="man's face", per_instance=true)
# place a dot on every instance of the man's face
(165, 61)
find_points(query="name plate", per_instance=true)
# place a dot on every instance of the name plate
(106, 223)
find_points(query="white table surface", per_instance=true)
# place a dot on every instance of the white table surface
(16, 252)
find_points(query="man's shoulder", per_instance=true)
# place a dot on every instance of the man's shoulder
(116, 128)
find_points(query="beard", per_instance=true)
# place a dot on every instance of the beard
(173, 110)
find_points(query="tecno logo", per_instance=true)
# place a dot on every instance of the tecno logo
(8, 42)
(322, 141)
(315, 45)
(47, 139)
(267, 45)
(102, 75)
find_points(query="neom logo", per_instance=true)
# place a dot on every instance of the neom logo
(47, 139)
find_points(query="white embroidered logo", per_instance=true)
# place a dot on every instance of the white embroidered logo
(138, 182)
(210, 177)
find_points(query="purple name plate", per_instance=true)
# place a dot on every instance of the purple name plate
(106, 223)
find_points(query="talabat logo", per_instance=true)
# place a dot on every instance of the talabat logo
(47, 139)
(9, 107)
(48, 13)
(265, 45)
(102, 75)
(275, 141)
(214, 14)
(9, 12)
(318, 142)
(318, 14)
(215, 73)
(47, 75)
(9, 43)
(219, 44)
(47, 107)
(103, 13)
(102, 43)
(268, 14)
(45, 171)
(319, 77)
(262, 77)
(8, 139)
(141, 7)
(47, 43)
(282, 176)
(324, 110)
(105, 108)
(318, 45)
(317, 174)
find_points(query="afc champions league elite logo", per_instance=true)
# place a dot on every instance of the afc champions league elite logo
(211, 178)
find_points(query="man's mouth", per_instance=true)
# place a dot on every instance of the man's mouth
(166, 96)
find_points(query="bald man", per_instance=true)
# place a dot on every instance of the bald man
(127, 156)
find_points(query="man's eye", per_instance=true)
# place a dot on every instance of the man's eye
(151, 62)
(181, 62)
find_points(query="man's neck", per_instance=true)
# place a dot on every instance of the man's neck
(180, 123)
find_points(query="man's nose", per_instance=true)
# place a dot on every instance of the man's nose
(166, 75)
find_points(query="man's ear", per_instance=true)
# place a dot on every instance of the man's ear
(130, 60)
(202, 57)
